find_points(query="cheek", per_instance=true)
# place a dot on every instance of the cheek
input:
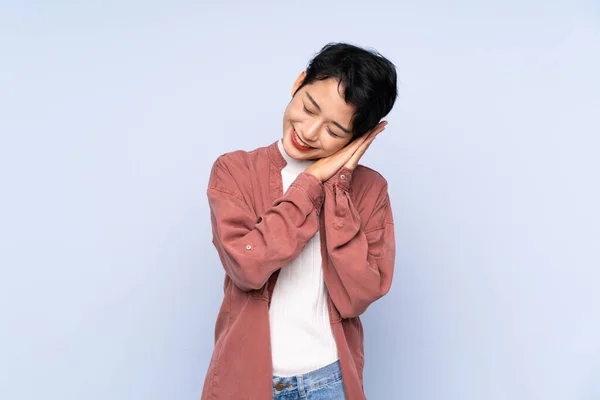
(296, 109)
(294, 115)
(332, 145)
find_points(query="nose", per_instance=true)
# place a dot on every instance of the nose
(312, 133)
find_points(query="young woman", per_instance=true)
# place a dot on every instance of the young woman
(306, 238)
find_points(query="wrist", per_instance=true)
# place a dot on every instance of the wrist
(314, 173)
(341, 178)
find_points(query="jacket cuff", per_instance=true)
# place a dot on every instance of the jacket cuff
(312, 187)
(341, 179)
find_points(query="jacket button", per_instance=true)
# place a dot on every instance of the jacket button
(248, 247)
(342, 176)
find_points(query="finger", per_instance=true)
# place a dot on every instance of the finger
(343, 156)
(373, 134)
(350, 151)
(380, 127)
(353, 161)
(363, 148)
(353, 146)
(360, 151)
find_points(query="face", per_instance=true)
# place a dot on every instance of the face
(317, 121)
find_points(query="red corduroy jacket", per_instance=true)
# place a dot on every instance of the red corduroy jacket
(257, 229)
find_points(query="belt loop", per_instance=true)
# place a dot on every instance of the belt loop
(301, 388)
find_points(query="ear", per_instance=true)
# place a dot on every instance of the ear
(298, 82)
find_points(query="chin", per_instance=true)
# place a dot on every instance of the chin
(297, 154)
(292, 151)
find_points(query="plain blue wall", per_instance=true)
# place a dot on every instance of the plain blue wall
(111, 114)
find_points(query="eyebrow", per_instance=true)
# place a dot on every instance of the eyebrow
(319, 108)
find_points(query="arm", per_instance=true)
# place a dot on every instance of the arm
(362, 258)
(252, 248)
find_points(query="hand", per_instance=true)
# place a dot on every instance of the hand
(347, 156)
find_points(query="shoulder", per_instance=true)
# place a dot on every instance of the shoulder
(236, 167)
(239, 160)
(366, 178)
(232, 161)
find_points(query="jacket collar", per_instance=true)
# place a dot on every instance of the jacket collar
(280, 159)
(275, 155)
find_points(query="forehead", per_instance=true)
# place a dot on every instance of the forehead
(329, 95)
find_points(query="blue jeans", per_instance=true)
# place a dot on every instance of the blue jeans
(322, 384)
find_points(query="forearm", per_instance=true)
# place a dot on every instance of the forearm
(362, 254)
(251, 248)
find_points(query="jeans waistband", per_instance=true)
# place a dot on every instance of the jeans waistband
(310, 381)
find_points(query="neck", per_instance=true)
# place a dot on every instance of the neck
(293, 163)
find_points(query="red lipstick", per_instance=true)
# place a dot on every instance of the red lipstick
(297, 144)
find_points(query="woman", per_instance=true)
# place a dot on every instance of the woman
(306, 238)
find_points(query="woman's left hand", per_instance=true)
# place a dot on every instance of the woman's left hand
(353, 162)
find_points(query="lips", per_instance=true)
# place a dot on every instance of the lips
(296, 141)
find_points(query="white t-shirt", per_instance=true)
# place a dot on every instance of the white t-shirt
(301, 335)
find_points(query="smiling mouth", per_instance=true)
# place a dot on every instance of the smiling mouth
(299, 143)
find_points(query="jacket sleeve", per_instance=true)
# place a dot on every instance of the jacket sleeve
(252, 247)
(362, 254)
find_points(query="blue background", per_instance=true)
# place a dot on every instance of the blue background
(111, 114)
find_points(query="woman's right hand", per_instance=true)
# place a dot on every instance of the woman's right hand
(347, 156)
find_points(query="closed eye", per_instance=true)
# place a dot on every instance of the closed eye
(306, 110)
(333, 134)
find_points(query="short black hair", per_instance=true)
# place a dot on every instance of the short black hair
(368, 79)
